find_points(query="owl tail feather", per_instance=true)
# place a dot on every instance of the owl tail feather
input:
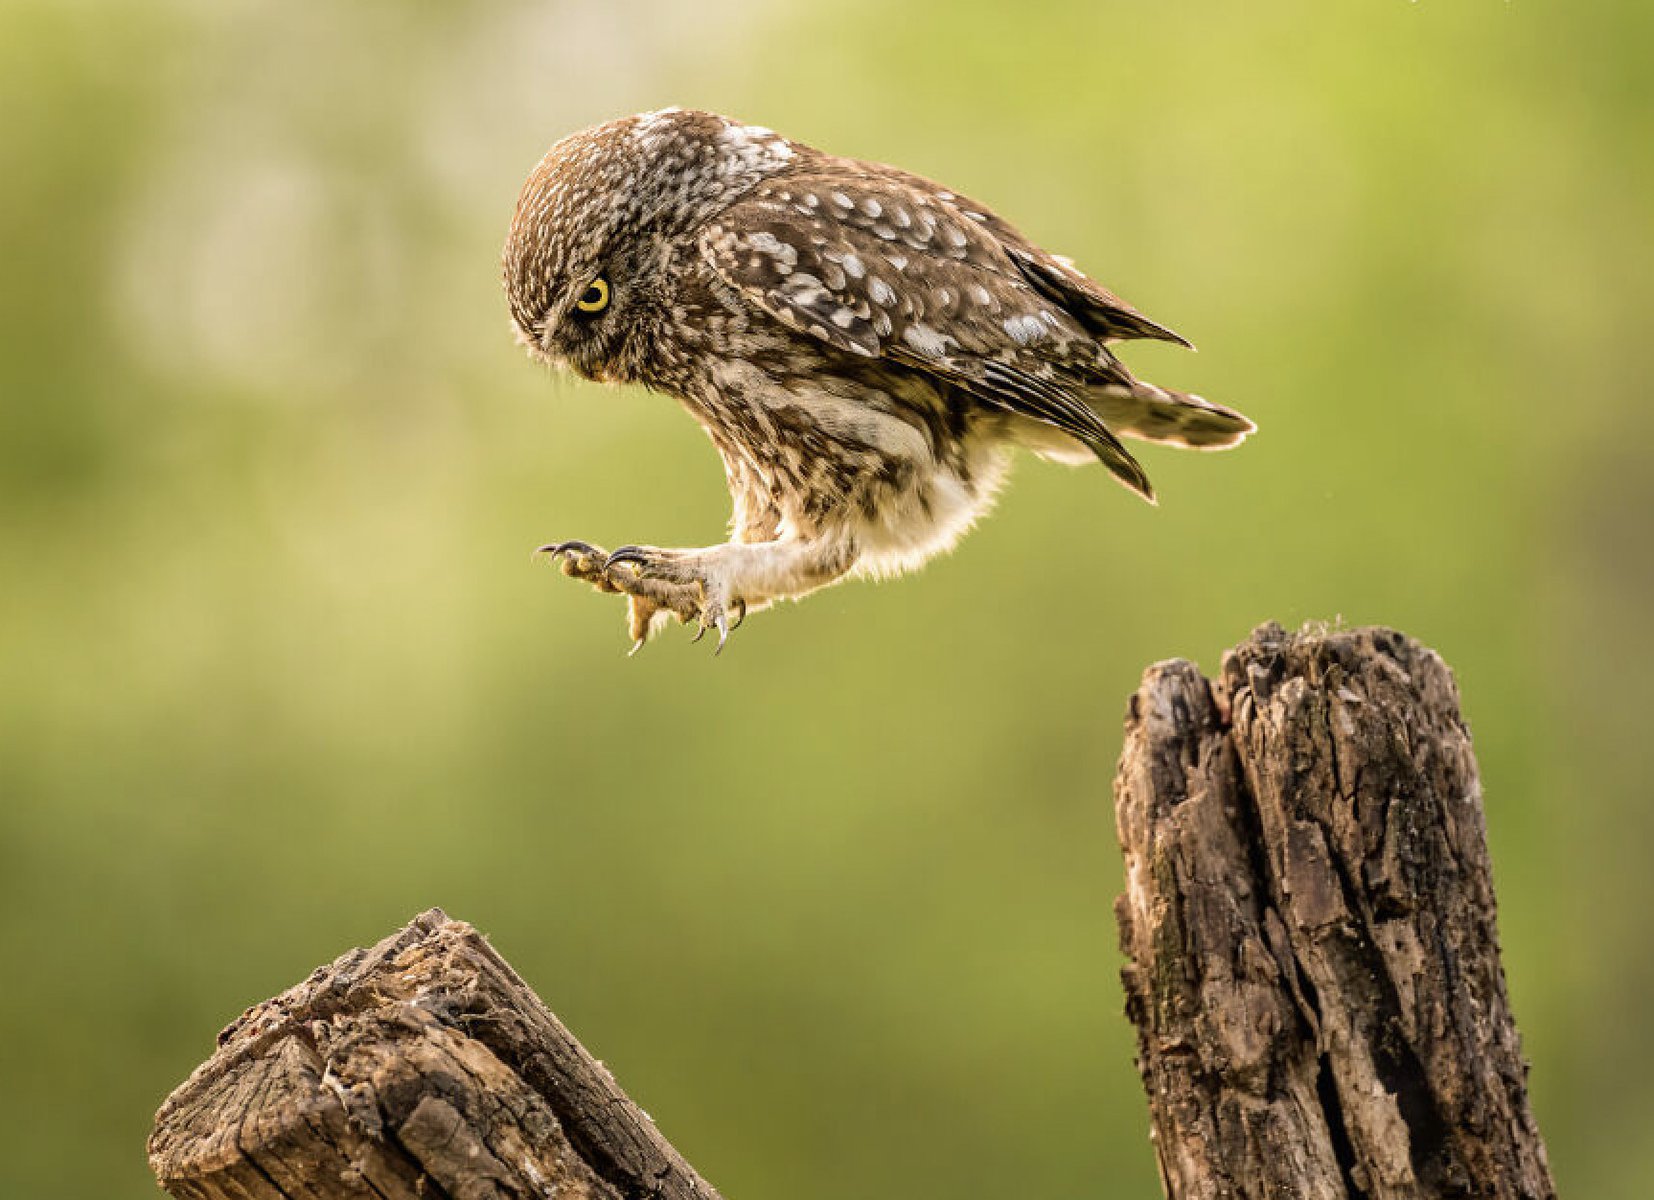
(1154, 414)
(1121, 464)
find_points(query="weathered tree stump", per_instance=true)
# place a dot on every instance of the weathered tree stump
(1314, 976)
(1309, 921)
(422, 1068)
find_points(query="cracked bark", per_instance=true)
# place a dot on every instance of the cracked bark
(1313, 963)
(422, 1067)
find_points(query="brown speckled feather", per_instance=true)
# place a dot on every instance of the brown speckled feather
(876, 265)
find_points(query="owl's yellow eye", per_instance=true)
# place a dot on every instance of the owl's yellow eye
(595, 298)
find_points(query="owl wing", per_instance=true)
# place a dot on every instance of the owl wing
(1103, 313)
(1099, 309)
(877, 266)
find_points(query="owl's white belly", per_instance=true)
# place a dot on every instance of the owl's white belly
(928, 516)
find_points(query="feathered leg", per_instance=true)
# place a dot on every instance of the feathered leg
(713, 587)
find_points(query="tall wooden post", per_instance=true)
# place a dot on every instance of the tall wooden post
(1309, 918)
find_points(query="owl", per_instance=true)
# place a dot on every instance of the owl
(865, 349)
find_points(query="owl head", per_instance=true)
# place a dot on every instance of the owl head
(597, 244)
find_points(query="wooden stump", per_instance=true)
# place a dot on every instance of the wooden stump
(1309, 921)
(422, 1068)
(1313, 972)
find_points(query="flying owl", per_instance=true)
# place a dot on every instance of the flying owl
(863, 346)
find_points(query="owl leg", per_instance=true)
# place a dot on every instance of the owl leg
(724, 582)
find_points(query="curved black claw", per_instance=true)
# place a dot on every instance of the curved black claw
(628, 554)
(720, 622)
(740, 614)
(584, 549)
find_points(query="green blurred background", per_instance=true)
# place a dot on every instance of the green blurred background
(277, 671)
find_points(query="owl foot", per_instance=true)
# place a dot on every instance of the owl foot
(678, 581)
(657, 584)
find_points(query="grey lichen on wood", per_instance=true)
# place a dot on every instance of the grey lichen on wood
(1313, 964)
(423, 1067)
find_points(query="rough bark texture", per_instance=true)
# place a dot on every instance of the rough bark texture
(1309, 921)
(423, 1067)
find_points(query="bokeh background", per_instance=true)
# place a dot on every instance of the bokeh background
(277, 670)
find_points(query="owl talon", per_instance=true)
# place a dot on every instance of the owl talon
(580, 549)
(712, 615)
(657, 582)
(648, 560)
(580, 560)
